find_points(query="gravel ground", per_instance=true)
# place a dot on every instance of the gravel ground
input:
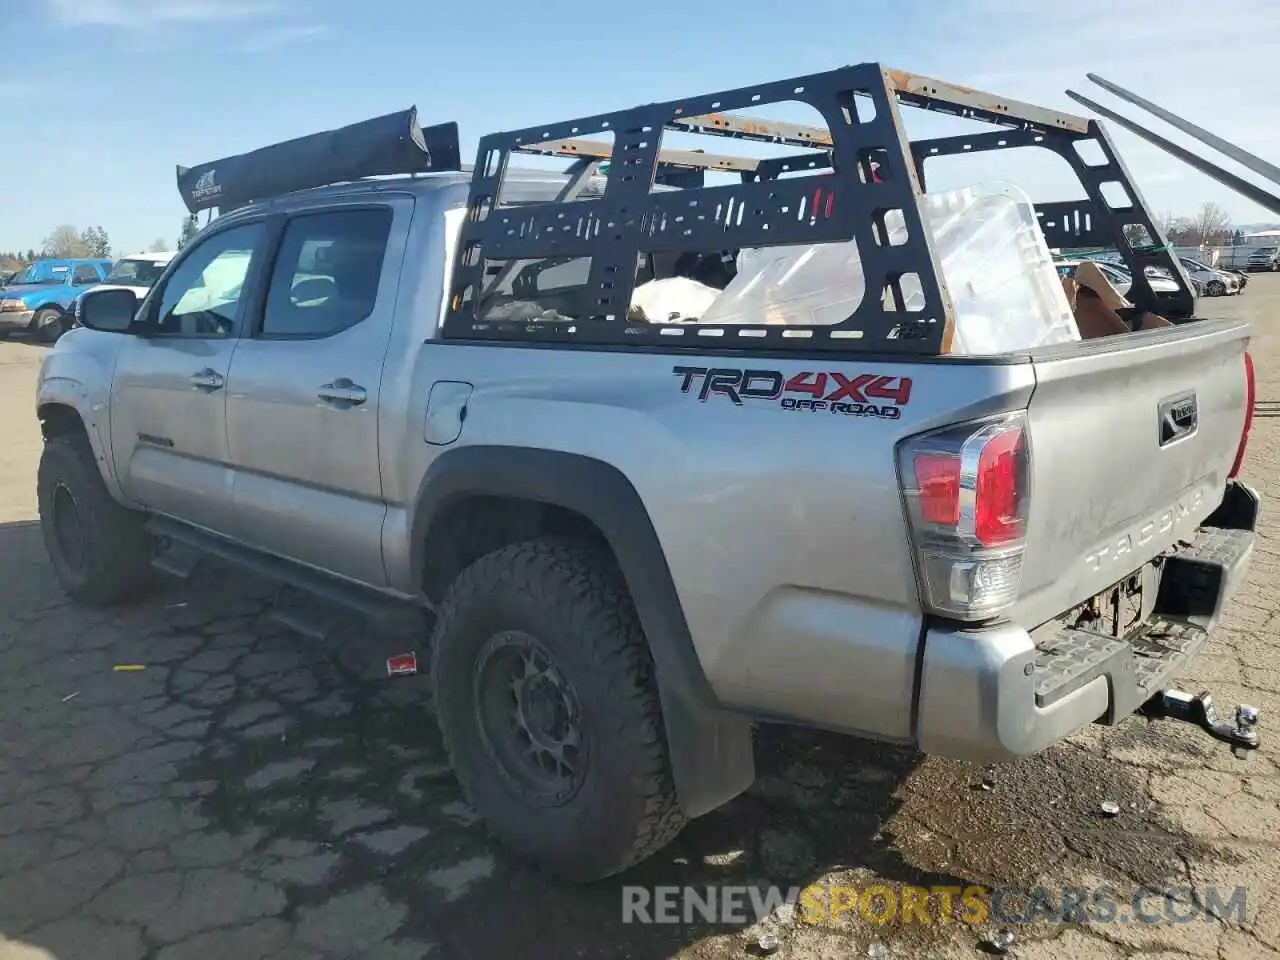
(251, 794)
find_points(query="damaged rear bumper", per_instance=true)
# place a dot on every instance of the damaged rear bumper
(997, 693)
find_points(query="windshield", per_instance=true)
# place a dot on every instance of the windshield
(1195, 265)
(43, 273)
(136, 273)
(1264, 251)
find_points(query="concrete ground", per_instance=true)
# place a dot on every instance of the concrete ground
(251, 794)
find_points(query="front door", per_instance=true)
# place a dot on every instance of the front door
(168, 397)
(304, 391)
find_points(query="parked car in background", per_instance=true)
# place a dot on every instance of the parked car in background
(135, 273)
(1216, 283)
(1175, 304)
(1264, 258)
(139, 271)
(41, 300)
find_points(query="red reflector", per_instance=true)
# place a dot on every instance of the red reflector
(996, 511)
(402, 665)
(938, 479)
(1250, 391)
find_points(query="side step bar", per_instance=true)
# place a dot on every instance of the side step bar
(183, 547)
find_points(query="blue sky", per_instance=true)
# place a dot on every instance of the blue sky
(93, 127)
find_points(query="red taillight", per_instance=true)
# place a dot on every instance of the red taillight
(966, 492)
(1250, 391)
(996, 507)
(997, 488)
(938, 479)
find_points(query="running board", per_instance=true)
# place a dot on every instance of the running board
(182, 548)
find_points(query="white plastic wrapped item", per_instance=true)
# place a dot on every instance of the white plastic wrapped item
(673, 300)
(995, 262)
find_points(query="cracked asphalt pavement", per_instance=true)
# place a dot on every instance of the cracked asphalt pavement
(253, 794)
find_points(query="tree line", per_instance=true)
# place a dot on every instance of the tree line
(66, 242)
(1208, 226)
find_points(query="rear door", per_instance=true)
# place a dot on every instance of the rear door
(168, 402)
(304, 390)
(1132, 439)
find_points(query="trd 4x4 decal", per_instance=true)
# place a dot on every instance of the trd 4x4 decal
(859, 395)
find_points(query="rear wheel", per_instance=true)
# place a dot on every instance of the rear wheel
(49, 324)
(546, 699)
(99, 550)
(1216, 288)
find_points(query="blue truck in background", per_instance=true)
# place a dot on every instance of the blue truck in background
(41, 298)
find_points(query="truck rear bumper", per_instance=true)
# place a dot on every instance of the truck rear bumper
(991, 694)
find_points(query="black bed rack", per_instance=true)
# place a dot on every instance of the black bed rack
(828, 192)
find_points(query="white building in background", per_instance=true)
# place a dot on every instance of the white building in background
(1234, 256)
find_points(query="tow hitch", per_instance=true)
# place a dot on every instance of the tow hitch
(1242, 735)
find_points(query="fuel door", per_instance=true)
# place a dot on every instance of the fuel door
(446, 411)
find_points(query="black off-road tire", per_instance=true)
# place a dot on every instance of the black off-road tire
(571, 599)
(49, 324)
(115, 551)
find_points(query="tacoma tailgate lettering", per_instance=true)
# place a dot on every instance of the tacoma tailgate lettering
(1117, 548)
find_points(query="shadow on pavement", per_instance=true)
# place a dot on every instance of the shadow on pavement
(318, 794)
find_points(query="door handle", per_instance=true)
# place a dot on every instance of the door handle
(207, 379)
(342, 393)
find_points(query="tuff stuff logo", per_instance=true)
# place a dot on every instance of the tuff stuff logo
(205, 187)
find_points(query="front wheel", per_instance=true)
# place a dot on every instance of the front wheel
(50, 324)
(100, 552)
(548, 705)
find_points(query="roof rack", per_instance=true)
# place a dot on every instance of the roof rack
(854, 171)
(386, 145)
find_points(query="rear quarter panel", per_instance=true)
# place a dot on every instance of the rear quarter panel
(783, 528)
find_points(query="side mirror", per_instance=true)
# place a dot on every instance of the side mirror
(111, 311)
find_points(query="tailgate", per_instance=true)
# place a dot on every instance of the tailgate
(1131, 443)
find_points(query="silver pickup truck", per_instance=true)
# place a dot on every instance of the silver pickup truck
(406, 388)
